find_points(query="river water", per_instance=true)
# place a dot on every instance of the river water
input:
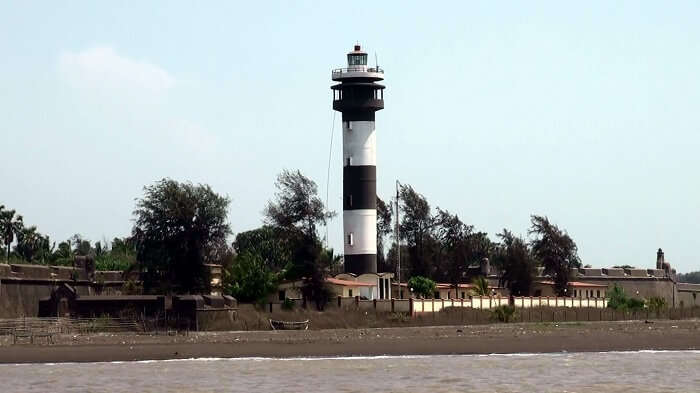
(645, 371)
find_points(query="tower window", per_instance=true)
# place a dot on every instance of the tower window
(351, 240)
(348, 161)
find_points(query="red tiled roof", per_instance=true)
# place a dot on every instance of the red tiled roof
(575, 284)
(347, 283)
(442, 285)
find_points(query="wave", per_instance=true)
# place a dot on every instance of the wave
(374, 357)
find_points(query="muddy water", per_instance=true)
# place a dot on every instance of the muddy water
(646, 371)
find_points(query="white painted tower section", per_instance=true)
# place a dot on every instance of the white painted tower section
(359, 143)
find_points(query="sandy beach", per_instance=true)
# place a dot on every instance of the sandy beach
(478, 339)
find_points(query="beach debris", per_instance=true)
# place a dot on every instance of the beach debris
(648, 321)
(674, 326)
(459, 331)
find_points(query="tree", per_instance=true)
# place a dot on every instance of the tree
(692, 277)
(517, 266)
(295, 212)
(556, 250)
(416, 228)
(481, 286)
(10, 226)
(455, 253)
(267, 242)
(176, 226)
(249, 279)
(421, 286)
(296, 205)
(81, 246)
(384, 229)
(32, 245)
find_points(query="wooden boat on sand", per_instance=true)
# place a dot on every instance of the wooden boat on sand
(285, 325)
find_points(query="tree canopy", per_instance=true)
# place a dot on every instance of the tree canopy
(421, 286)
(556, 250)
(296, 204)
(177, 225)
(516, 264)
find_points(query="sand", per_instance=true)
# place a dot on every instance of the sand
(475, 339)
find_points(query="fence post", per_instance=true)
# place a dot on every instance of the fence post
(339, 301)
(392, 304)
(357, 301)
(374, 301)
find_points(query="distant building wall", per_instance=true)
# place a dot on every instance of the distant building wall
(22, 286)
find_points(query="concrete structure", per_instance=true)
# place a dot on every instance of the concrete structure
(358, 96)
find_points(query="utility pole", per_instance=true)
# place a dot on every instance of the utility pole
(398, 240)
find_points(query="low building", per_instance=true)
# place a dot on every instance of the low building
(575, 289)
(447, 291)
(367, 286)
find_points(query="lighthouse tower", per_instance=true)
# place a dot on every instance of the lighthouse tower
(358, 96)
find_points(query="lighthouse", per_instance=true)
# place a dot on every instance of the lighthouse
(357, 95)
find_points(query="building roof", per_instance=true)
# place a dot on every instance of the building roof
(442, 285)
(347, 283)
(575, 284)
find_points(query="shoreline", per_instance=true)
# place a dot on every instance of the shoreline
(519, 338)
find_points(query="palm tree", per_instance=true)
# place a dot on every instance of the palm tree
(10, 225)
(481, 286)
(29, 243)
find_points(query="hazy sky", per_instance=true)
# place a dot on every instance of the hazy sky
(587, 113)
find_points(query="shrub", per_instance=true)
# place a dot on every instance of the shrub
(618, 300)
(504, 313)
(635, 304)
(656, 304)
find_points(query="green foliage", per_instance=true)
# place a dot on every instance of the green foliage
(296, 205)
(10, 225)
(177, 226)
(556, 250)
(618, 300)
(249, 278)
(459, 247)
(295, 213)
(421, 286)
(517, 266)
(656, 304)
(635, 304)
(416, 229)
(267, 242)
(481, 286)
(504, 313)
